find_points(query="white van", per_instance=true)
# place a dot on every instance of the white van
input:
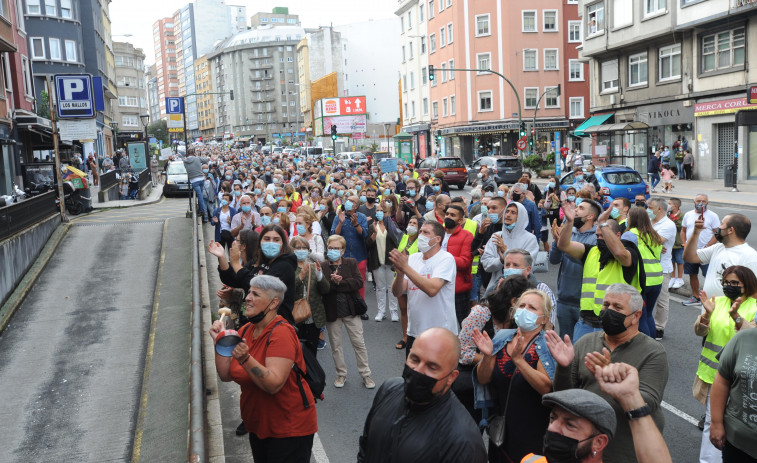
(313, 152)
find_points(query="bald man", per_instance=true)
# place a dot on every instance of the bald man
(435, 425)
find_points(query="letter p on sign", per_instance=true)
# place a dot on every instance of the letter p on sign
(71, 86)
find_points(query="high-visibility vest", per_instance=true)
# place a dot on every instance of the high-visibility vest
(650, 256)
(722, 329)
(595, 281)
(531, 458)
(403, 244)
(472, 226)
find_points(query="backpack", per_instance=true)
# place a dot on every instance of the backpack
(313, 375)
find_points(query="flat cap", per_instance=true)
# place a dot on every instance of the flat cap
(586, 405)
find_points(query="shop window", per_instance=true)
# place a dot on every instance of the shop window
(637, 69)
(670, 62)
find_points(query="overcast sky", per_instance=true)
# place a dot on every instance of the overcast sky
(136, 17)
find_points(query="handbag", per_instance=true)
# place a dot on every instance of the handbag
(359, 303)
(301, 310)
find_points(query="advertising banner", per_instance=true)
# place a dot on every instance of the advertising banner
(137, 158)
(346, 125)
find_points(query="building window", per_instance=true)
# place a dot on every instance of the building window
(637, 69)
(610, 79)
(550, 59)
(484, 61)
(529, 21)
(32, 7)
(442, 35)
(670, 62)
(38, 48)
(432, 43)
(27, 72)
(404, 82)
(531, 95)
(595, 19)
(622, 13)
(425, 106)
(435, 110)
(451, 67)
(722, 50)
(403, 54)
(410, 50)
(402, 24)
(576, 70)
(55, 49)
(574, 31)
(127, 101)
(482, 25)
(66, 11)
(652, 7)
(409, 20)
(577, 107)
(424, 75)
(130, 121)
(412, 80)
(550, 21)
(485, 101)
(452, 105)
(412, 109)
(444, 107)
(50, 8)
(551, 99)
(431, 9)
(420, 19)
(444, 72)
(530, 60)
(423, 45)
(449, 33)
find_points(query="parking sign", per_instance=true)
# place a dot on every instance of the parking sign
(175, 105)
(74, 97)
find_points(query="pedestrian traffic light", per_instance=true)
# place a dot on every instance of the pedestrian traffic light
(231, 95)
(522, 129)
(431, 75)
(438, 137)
(333, 132)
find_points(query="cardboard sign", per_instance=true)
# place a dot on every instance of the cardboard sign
(388, 165)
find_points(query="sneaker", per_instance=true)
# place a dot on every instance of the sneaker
(672, 283)
(380, 316)
(339, 381)
(395, 317)
(241, 430)
(691, 301)
(368, 381)
(321, 344)
(660, 334)
(679, 283)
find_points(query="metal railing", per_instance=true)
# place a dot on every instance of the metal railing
(19, 216)
(197, 452)
(145, 177)
(108, 180)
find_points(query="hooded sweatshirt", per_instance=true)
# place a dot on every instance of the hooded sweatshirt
(518, 237)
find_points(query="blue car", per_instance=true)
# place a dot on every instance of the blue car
(615, 181)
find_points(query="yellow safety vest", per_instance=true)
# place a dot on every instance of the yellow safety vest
(403, 244)
(650, 256)
(472, 226)
(595, 281)
(722, 329)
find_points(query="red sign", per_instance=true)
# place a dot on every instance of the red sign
(352, 105)
(752, 95)
(521, 144)
(712, 108)
(358, 136)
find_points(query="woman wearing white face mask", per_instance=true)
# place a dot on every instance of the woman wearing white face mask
(518, 368)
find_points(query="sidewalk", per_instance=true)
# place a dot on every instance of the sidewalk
(155, 195)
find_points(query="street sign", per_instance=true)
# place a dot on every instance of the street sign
(175, 105)
(74, 97)
(83, 129)
(175, 121)
(521, 144)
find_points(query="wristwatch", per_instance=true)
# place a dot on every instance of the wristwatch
(603, 225)
(638, 412)
(738, 320)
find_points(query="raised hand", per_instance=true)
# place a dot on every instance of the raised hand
(304, 271)
(561, 349)
(708, 304)
(483, 342)
(595, 360)
(518, 344)
(555, 231)
(569, 209)
(621, 382)
(216, 249)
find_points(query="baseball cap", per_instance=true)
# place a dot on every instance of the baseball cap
(585, 404)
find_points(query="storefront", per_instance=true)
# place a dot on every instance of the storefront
(621, 143)
(545, 136)
(471, 142)
(670, 124)
(421, 139)
(716, 133)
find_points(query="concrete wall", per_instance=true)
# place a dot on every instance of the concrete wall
(19, 253)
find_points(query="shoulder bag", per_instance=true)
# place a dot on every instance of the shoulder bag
(301, 310)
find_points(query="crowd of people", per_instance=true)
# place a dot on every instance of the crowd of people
(570, 373)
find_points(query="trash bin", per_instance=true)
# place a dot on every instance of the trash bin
(729, 175)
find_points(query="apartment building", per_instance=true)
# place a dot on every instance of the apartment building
(166, 65)
(132, 94)
(204, 86)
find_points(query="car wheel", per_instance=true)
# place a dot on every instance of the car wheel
(461, 186)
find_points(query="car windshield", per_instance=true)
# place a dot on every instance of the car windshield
(176, 168)
(450, 163)
(622, 178)
(508, 162)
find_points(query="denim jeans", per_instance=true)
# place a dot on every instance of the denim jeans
(646, 324)
(679, 167)
(581, 329)
(654, 179)
(475, 291)
(197, 186)
(567, 317)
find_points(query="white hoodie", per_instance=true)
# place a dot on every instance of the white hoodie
(517, 238)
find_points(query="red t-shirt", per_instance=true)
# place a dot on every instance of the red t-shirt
(564, 151)
(282, 414)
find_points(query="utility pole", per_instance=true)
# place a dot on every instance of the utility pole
(58, 175)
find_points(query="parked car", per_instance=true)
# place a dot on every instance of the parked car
(356, 157)
(615, 181)
(504, 169)
(453, 168)
(312, 152)
(177, 182)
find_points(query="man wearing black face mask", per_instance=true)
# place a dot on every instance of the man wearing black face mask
(416, 418)
(457, 241)
(619, 341)
(369, 208)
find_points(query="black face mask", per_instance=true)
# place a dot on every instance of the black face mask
(370, 200)
(517, 196)
(449, 224)
(732, 292)
(258, 317)
(579, 222)
(719, 235)
(613, 322)
(601, 245)
(418, 387)
(563, 449)
(640, 204)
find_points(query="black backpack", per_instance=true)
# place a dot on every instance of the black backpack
(313, 375)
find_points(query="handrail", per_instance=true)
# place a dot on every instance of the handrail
(197, 453)
(108, 180)
(16, 217)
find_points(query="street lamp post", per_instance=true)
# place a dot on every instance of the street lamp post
(114, 128)
(536, 108)
(145, 120)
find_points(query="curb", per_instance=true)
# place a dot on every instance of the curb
(25, 285)
(146, 203)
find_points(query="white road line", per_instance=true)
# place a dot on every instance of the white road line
(675, 411)
(319, 454)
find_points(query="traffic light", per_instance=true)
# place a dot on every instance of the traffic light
(438, 137)
(431, 75)
(533, 131)
(333, 133)
(558, 89)
(231, 95)
(522, 129)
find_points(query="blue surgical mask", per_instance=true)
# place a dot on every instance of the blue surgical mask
(436, 188)
(512, 271)
(281, 209)
(387, 192)
(494, 217)
(510, 227)
(205, 171)
(650, 213)
(301, 230)
(501, 193)
(257, 191)
(526, 320)
(322, 207)
(237, 193)
(579, 178)
(246, 208)
(348, 205)
(374, 175)
(411, 193)
(571, 198)
(379, 215)
(301, 254)
(276, 220)
(279, 198)
(333, 255)
(224, 202)
(614, 213)
(363, 199)
(429, 205)
(579, 201)
(405, 178)
(484, 211)
(551, 185)
(270, 249)
(228, 177)
(340, 193)
(358, 188)
(265, 220)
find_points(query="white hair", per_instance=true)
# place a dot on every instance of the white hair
(271, 285)
(635, 299)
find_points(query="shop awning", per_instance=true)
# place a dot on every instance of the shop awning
(591, 122)
(622, 127)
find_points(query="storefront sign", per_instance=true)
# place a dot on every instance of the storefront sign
(346, 125)
(665, 114)
(713, 108)
(78, 129)
(551, 124)
(471, 129)
(751, 95)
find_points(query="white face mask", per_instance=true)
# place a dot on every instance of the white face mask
(423, 244)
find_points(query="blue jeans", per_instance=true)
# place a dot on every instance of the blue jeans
(567, 317)
(197, 186)
(654, 178)
(476, 289)
(581, 329)
(679, 167)
(646, 324)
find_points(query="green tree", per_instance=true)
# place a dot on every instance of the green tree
(43, 105)
(159, 130)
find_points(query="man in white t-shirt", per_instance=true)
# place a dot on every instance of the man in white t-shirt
(731, 250)
(704, 239)
(428, 279)
(667, 229)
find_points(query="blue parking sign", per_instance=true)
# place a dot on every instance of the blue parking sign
(74, 97)
(175, 105)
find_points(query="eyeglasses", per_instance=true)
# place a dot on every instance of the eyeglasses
(731, 283)
(335, 249)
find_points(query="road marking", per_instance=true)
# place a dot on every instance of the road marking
(137, 446)
(318, 452)
(679, 413)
